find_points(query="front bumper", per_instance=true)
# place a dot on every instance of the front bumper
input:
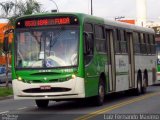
(76, 87)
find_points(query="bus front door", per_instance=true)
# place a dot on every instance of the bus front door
(131, 59)
(111, 60)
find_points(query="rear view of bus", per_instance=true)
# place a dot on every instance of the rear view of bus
(46, 58)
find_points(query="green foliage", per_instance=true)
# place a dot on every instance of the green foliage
(29, 7)
(5, 91)
(6, 8)
(18, 9)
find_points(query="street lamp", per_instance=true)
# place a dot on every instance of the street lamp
(55, 5)
(91, 8)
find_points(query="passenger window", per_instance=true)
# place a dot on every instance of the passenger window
(117, 42)
(123, 42)
(152, 45)
(101, 45)
(88, 28)
(88, 42)
(148, 43)
(136, 43)
(143, 44)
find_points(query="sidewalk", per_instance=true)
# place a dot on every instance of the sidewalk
(7, 97)
(4, 85)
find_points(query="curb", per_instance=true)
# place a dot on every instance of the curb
(6, 97)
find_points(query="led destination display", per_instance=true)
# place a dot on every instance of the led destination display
(38, 22)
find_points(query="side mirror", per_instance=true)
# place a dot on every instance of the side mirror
(85, 42)
(88, 43)
(6, 45)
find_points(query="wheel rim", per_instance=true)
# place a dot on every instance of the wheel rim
(144, 84)
(139, 86)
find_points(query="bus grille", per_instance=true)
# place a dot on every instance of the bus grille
(53, 89)
(49, 81)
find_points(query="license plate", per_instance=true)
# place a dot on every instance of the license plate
(47, 87)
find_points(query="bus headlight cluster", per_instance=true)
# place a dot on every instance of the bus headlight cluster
(19, 78)
(74, 76)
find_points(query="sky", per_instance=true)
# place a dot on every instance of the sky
(104, 8)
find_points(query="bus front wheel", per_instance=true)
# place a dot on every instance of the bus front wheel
(101, 93)
(42, 103)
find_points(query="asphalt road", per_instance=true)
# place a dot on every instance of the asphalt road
(116, 106)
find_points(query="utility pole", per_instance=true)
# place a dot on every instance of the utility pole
(141, 12)
(91, 8)
(15, 7)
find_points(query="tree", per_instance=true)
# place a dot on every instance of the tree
(6, 8)
(13, 10)
(29, 7)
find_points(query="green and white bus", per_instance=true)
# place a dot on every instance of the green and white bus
(157, 40)
(63, 56)
(158, 57)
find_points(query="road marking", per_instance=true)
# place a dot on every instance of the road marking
(4, 112)
(22, 108)
(110, 108)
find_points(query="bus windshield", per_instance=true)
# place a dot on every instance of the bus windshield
(47, 47)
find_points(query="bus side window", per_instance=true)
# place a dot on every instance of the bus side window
(101, 45)
(117, 41)
(143, 44)
(123, 42)
(148, 43)
(136, 43)
(152, 45)
(88, 42)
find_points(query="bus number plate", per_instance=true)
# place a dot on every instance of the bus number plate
(47, 87)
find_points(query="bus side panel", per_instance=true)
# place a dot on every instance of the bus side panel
(92, 74)
(158, 64)
(122, 75)
(145, 63)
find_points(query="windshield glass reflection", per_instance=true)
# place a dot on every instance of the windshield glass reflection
(56, 47)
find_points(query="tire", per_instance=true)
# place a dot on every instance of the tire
(144, 86)
(101, 93)
(42, 103)
(139, 86)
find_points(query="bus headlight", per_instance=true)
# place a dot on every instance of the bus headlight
(19, 78)
(74, 76)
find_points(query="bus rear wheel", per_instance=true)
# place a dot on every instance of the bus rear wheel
(101, 93)
(139, 86)
(42, 103)
(144, 87)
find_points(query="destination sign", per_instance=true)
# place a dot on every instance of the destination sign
(39, 22)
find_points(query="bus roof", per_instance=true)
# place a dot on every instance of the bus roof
(97, 20)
